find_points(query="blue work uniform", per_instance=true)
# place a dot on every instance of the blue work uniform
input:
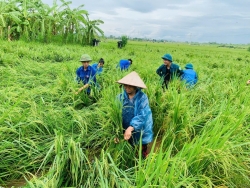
(124, 64)
(168, 74)
(97, 69)
(86, 77)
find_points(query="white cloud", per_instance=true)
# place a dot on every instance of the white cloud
(183, 20)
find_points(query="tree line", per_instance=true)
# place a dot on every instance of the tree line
(32, 20)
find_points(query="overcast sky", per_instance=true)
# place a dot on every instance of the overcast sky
(221, 21)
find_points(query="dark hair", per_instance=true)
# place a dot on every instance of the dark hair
(130, 60)
(101, 60)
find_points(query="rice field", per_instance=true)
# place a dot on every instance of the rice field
(51, 137)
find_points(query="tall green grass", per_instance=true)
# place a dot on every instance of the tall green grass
(55, 138)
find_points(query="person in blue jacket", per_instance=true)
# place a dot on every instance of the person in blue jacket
(137, 118)
(85, 74)
(168, 70)
(124, 64)
(189, 76)
(98, 66)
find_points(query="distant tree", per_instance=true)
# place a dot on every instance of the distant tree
(36, 21)
(124, 40)
(248, 49)
(92, 30)
(72, 20)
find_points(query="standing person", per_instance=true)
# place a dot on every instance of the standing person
(85, 74)
(124, 64)
(98, 66)
(189, 76)
(137, 118)
(168, 70)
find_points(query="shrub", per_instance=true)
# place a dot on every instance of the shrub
(124, 40)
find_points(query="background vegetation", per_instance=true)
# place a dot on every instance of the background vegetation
(124, 40)
(53, 138)
(32, 20)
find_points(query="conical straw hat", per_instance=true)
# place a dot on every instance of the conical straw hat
(132, 79)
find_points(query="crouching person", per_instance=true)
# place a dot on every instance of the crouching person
(189, 76)
(137, 118)
(85, 74)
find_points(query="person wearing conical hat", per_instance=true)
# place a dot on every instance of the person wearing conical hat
(168, 70)
(85, 74)
(189, 76)
(137, 118)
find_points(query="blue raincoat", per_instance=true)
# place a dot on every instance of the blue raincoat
(137, 113)
(190, 77)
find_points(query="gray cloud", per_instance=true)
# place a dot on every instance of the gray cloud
(225, 21)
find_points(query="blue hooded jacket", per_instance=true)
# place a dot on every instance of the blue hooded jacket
(137, 113)
(190, 77)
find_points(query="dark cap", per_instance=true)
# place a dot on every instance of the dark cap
(130, 60)
(101, 60)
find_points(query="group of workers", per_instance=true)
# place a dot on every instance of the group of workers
(168, 70)
(87, 74)
(137, 118)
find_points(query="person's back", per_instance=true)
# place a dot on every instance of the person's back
(125, 64)
(189, 75)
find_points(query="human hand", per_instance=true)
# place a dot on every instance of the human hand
(128, 133)
(248, 82)
(82, 88)
(79, 90)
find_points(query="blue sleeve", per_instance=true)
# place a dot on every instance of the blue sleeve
(92, 79)
(143, 111)
(178, 71)
(94, 66)
(78, 79)
(119, 97)
(159, 71)
(196, 78)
